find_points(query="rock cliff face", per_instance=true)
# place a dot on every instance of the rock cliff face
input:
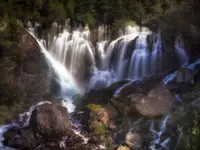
(25, 81)
(34, 70)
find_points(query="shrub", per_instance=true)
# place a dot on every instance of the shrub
(190, 138)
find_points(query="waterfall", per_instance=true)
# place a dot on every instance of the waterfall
(183, 57)
(73, 50)
(136, 54)
(66, 81)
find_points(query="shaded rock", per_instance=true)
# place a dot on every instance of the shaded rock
(75, 142)
(158, 102)
(100, 97)
(111, 112)
(134, 140)
(197, 74)
(28, 139)
(22, 139)
(191, 94)
(142, 87)
(118, 84)
(184, 75)
(12, 138)
(183, 115)
(50, 121)
(122, 108)
(33, 65)
(175, 87)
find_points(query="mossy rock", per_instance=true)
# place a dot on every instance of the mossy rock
(94, 108)
(123, 148)
(99, 129)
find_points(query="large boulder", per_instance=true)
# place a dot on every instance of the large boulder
(158, 102)
(150, 102)
(50, 121)
(134, 140)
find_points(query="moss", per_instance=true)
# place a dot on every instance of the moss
(94, 108)
(108, 141)
(190, 137)
(6, 112)
(99, 129)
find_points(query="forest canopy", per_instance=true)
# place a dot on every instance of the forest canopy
(91, 11)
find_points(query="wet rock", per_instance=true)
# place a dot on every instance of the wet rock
(191, 94)
(134, 140)
(12, 138)
(184, 75)
(22, 139)
(158, 102)
(50, 121)
(111, 112)
(142, 87)
(100, 97)
(33, 65)
(183, 115)
(28, 140)
(197, 73)
(122, 108)
(118, 84)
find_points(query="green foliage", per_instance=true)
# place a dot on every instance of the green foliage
(121, 24)
(95, 11)
(190, 138)
(70, 7)
(94, 108)
(4, 114)
(99, 129)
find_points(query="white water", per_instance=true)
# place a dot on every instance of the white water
(143, 62)
(73, 50)
(173, 75)
(67, 83)
(162, 127)
(183, 57)
(22, 122)
(117, 60)
(71, 56)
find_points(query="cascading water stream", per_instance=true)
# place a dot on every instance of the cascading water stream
(183, 57)
(68, 89)
(67, 83)
(73, 50)
(23, 122)
(162, 128)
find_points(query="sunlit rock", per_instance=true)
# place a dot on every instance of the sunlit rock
(134, 140)
(158, 102)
